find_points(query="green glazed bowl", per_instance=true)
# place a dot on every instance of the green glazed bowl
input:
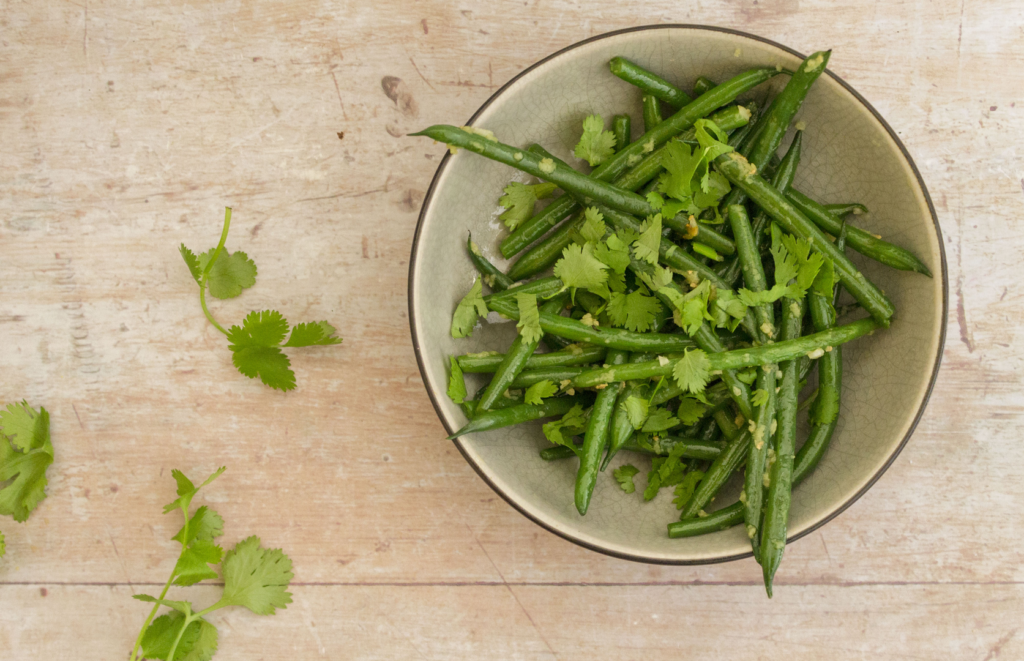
(849, 154)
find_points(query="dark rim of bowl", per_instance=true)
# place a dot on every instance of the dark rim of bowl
(942, 332)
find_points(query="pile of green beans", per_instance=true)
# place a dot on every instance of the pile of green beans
(741, 427)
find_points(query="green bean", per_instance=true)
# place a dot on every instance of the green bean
(782, 179)
(702, 84)
(863, 242)
(527, 378)
(706, 234)
(652, 111)
(648, 82)
(780, 484)
(556, 452)
(709, 431)
(692, 448)
(740, 134)
(514, 360)
(706, 339)
(542, 256)
(757, 454)
(508, 398)
(810, 453)
(494, 278)
(542, 288)
(726, 424)
(845, 209)
(612, 338)
(622, 127)
(488, 361)
(517, 415)
(548, 251)
(740, 172)
(596, 438)
(622, 429)
(732, 456)
(753, 271)
(772, 126)
(736, 359)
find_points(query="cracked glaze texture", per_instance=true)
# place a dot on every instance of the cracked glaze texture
(847, 156)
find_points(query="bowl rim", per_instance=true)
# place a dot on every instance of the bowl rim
(942, 327)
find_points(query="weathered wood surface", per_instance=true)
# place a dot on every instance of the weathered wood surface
(126, 127)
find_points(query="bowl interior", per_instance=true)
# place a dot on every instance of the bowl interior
(848, 155)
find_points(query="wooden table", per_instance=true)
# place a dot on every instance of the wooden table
(127, 127)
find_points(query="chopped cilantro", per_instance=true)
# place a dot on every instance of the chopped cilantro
(596, 145)
(647, 245)
(636, 311)
(690, 410)
(624, 476)
(759, 397)
(468, 310)
(456, 382)
(574, 419)
(636, 410)
(579, 268)
(519, 200)
(536, 393)
(796, 269)
(692, 371)
(684, 490)
(529, 318)
(614, 254)
(594, 228)
(659, 419)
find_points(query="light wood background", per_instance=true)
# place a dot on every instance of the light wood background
(126, 127)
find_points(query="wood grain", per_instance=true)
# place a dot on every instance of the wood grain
(127, 129)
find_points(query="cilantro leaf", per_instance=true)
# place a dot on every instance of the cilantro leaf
(578, 268)
(690, 309)
(659, 419)
(690, 410)
(636, 311)
(256, 578)
(23, 472)
(684, 490)
(229, 275)
(596, 145)
(636, 410)
(187, 490)
(614, 254)
(646, 247)
(793, 261)
(536, 393)
(313, 333)
(192, 262)
(692, 371)
(594, 228)
(747, 376)
(714, 187)
(656, 201)
(255, 349)
(470, 307)
(26, 428)
(456, 382)
(205, 645)
(759, 397)
(680, 166)
(193, 563)
(624, 476)
(519, 200)
(205, 525)
(529, 318)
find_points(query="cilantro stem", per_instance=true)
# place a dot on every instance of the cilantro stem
(223, 240)
(189, 617)
(149, 620)
(206, 311)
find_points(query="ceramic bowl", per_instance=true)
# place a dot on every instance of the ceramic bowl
(849, 154)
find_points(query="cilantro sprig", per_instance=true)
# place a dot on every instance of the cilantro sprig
(256, 344)
(25, 454)
(254, 577)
